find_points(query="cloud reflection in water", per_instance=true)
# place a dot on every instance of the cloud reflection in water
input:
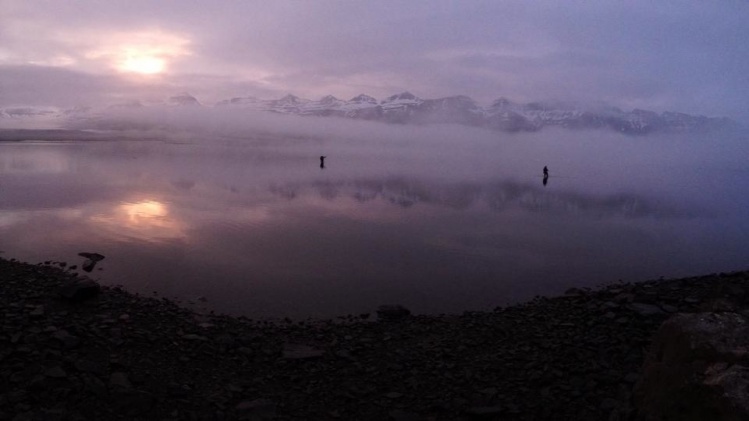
(260, 230)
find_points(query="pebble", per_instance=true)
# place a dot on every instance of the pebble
(645, 309)
(608, 404)
(481, 412)
(37, 312)
(56, 372)
(632, 378)
(393, 312)
(119, 379)
(67, 340)
(258, 409)
(301, 352)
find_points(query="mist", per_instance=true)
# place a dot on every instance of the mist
(397, 214)
(601, 159)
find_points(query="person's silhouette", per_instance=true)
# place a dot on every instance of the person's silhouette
(322, 162)
(546, 172)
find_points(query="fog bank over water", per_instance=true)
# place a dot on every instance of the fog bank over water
(236, 208)
(448, 151)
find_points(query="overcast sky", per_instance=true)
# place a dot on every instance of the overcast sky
(689, 56)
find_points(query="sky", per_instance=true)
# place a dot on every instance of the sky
(688, 56)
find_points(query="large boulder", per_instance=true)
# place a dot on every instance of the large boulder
(697, 369)
(79, 290)
(91, 260)
(393, 312)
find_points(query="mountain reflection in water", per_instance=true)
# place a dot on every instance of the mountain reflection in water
(497, 196)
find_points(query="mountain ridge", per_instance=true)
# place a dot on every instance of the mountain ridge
(503, 114)
(406, 108)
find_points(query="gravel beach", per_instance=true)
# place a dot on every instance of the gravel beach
(68, 354)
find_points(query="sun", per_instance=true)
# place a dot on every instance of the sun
(144, 53)
(143, 64)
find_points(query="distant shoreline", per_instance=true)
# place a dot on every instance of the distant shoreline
(68, 135)
(20, 135)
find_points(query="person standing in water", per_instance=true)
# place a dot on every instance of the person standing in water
(322, 162)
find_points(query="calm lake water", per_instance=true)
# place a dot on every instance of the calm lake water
(439, 220)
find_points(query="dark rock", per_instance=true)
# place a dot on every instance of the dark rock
(67, 340)
(400, 415)
(574, 292)
(258, 409)
(632, 378)
(80, 290)
(550, 358)
(392, 312)
(484, 412)
(94, 385)
(697, 369)
(669, 308)
(87, 366)
(608, 404)
(119, 379)
(56, 372)
(625, 297)
(301, 352)
(91, 260)
(133, 403)
(645, 309)
(37, 313)
(176, 390)
(92, 256)
(719, 305)
(225, 340)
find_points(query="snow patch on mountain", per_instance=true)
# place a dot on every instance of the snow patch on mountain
(406, 108)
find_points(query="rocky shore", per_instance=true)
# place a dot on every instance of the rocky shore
(106, 354)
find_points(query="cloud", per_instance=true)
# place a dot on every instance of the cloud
(688, 57)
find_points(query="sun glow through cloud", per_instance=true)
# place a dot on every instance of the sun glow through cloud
(144, 53)
(144, 64)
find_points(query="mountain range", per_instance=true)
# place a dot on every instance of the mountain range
(406, 108)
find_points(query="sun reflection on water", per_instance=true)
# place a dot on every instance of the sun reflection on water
(145, 209)
(149, 220)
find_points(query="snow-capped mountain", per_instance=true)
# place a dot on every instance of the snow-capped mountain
(31, 117)
(22, 112)
(502, 114)
(407, 108)
(183, 99)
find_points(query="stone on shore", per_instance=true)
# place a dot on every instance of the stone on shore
(392, 312)
(79, 290)
(258, 409)
(301, 352)
(697, 369)
(91, 260)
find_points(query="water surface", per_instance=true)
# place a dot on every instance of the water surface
(437, 220)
